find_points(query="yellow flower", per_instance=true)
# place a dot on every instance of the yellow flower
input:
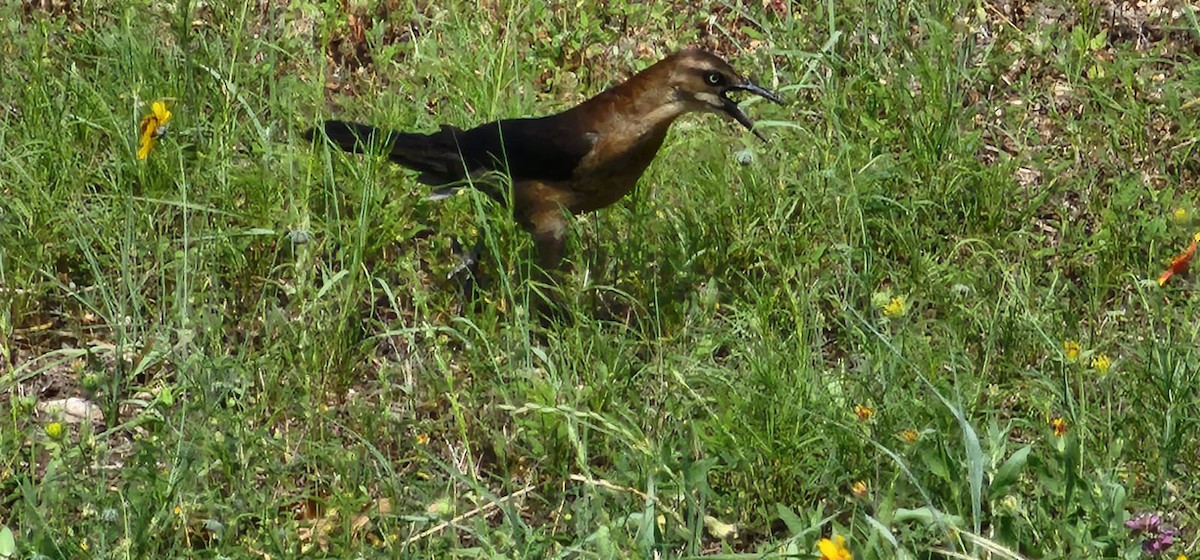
(864, 413)
(54, 430)
(83, 545)
(1180, 214)
(896, 307)
(834, 549)
(151, 127)
(1181, 557)
(859, 489)
(422, 439)
(1060, 425)
(1071, 350)
(911, 436)
(1101, 363)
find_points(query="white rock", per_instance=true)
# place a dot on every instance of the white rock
(72, 410)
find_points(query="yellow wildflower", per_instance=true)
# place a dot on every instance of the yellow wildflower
(1060, 425)
(864, 413)
(54, 430)
(834, 549)
(1181, 557)
(859, 489)
(1101, 363)
(1072, 350)
(896, 307)
(1180, 214)
(422, 439)
(152, 126)
(911, 436)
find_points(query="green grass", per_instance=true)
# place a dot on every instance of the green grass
(1015, 176)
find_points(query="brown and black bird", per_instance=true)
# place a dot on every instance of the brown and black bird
(576, 161)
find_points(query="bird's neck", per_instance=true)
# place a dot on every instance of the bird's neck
(643, 106)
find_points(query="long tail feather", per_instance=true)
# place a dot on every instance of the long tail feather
(352, 137)
(435, 155)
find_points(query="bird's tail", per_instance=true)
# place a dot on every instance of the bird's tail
(352, 137)
(435, 155)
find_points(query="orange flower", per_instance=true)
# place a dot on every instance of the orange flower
(859, 489)
(1060, 425)
(152, 126)
(864, 413)
(1180, 262)
(910, 436)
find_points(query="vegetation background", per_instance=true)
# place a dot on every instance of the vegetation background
(923, 318)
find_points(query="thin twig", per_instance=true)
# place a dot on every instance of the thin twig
(610, 486)
(485, 507)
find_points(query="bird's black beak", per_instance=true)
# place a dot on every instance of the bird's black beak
(732, 109)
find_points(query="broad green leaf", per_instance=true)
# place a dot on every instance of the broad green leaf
(8, 544)
(1009, 472)
(794, 524)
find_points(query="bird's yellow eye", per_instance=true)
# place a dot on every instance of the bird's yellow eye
(715, 78)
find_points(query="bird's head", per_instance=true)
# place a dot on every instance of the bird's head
(703, 81)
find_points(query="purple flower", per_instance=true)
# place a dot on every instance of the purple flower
(1144, 523)
(1156, 536)
(1159, 543)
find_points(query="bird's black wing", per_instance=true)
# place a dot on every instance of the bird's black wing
(545, 149)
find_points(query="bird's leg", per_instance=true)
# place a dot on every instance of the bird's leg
(467, 269)
(549, 245)
(549, 240)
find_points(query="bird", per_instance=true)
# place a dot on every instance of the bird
(573, 162)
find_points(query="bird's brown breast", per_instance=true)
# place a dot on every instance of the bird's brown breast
(625, 139)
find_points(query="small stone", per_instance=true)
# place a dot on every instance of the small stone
(73, 410)
(298, 236)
